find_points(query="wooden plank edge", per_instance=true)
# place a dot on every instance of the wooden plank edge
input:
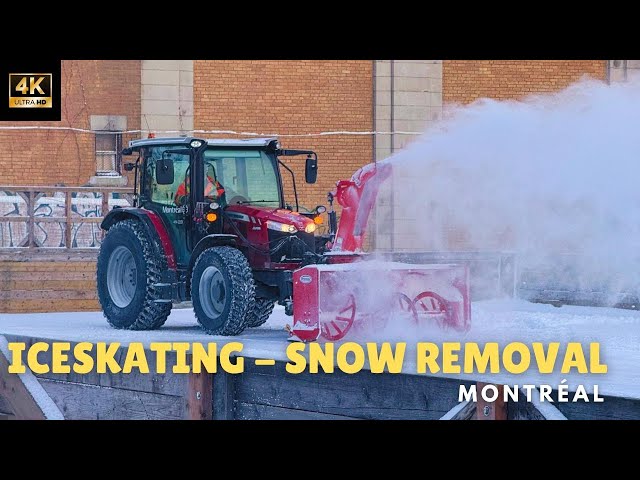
(462, 411)
(41, 400)
(285, 413)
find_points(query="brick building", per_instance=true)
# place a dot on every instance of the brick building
(283, 97)
(102, 100)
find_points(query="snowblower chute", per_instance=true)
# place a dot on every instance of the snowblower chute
(350, 293)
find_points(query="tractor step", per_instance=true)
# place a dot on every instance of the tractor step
(170, 291)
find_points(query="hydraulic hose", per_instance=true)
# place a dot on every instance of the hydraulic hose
(270, 251)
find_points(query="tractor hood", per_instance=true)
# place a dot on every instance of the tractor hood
(272, 218)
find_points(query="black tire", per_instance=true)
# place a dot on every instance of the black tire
(141, 312)
(260, 313)
(222, 290)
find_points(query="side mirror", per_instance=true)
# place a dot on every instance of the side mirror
(311, 170)
(127, 151)
(164, 171)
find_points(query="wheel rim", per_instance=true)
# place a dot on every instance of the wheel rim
(122, 276)
(432, 306)
(339, 326)
(212, 292)
(404, 306)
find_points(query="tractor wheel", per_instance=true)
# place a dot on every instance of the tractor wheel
(222, 290)
(128, 268)
(261, 312)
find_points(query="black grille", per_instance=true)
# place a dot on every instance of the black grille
(293, 249)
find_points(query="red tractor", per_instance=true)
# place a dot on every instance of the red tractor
(210, 224)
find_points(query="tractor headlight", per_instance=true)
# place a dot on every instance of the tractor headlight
(310, 228)
(195, 144)
(281, 227)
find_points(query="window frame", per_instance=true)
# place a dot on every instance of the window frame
(236, 153)
(117, 153)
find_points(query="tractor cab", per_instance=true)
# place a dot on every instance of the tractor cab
(203, 188)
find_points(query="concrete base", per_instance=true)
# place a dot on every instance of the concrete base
(108, 181)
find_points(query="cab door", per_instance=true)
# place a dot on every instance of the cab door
(163, 200)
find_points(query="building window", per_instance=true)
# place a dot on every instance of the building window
(108, 153)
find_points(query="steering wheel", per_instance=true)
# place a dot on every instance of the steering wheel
(237, 200)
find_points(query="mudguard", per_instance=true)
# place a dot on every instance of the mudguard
(214, 240)
(153, 222)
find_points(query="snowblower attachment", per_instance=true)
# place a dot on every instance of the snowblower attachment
(333, 300)
(350, 293)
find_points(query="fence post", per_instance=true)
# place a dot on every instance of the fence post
(491, 410)
(105, 209)
(67, 214)
(200, 396)
(31, 213)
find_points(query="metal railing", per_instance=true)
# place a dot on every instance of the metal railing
(56, 217)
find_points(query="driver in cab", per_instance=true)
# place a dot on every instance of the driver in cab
(213, 190)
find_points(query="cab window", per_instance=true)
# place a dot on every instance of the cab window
(166, 194)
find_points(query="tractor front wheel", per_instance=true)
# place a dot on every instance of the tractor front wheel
(128, 270)
(222, 291)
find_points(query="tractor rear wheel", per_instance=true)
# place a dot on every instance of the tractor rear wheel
(261, 312)
(222, 290)
(128, 268)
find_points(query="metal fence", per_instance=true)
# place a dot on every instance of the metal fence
(56, 217)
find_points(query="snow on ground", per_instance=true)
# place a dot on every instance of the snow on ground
(502, 321)
(617, 331)
(268, 341)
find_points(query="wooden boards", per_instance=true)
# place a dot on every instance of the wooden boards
(269, 392)
(114, 396)
(48, 281)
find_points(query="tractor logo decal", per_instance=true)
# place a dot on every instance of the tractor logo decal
(167, 209)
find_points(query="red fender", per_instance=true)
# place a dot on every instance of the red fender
(165, 241)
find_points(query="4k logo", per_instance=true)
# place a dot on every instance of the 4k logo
(30, 90)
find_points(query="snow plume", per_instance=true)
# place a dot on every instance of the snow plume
(551, 174)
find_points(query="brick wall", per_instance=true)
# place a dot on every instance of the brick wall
(293, 97)
(89, 87)
(467, 80)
